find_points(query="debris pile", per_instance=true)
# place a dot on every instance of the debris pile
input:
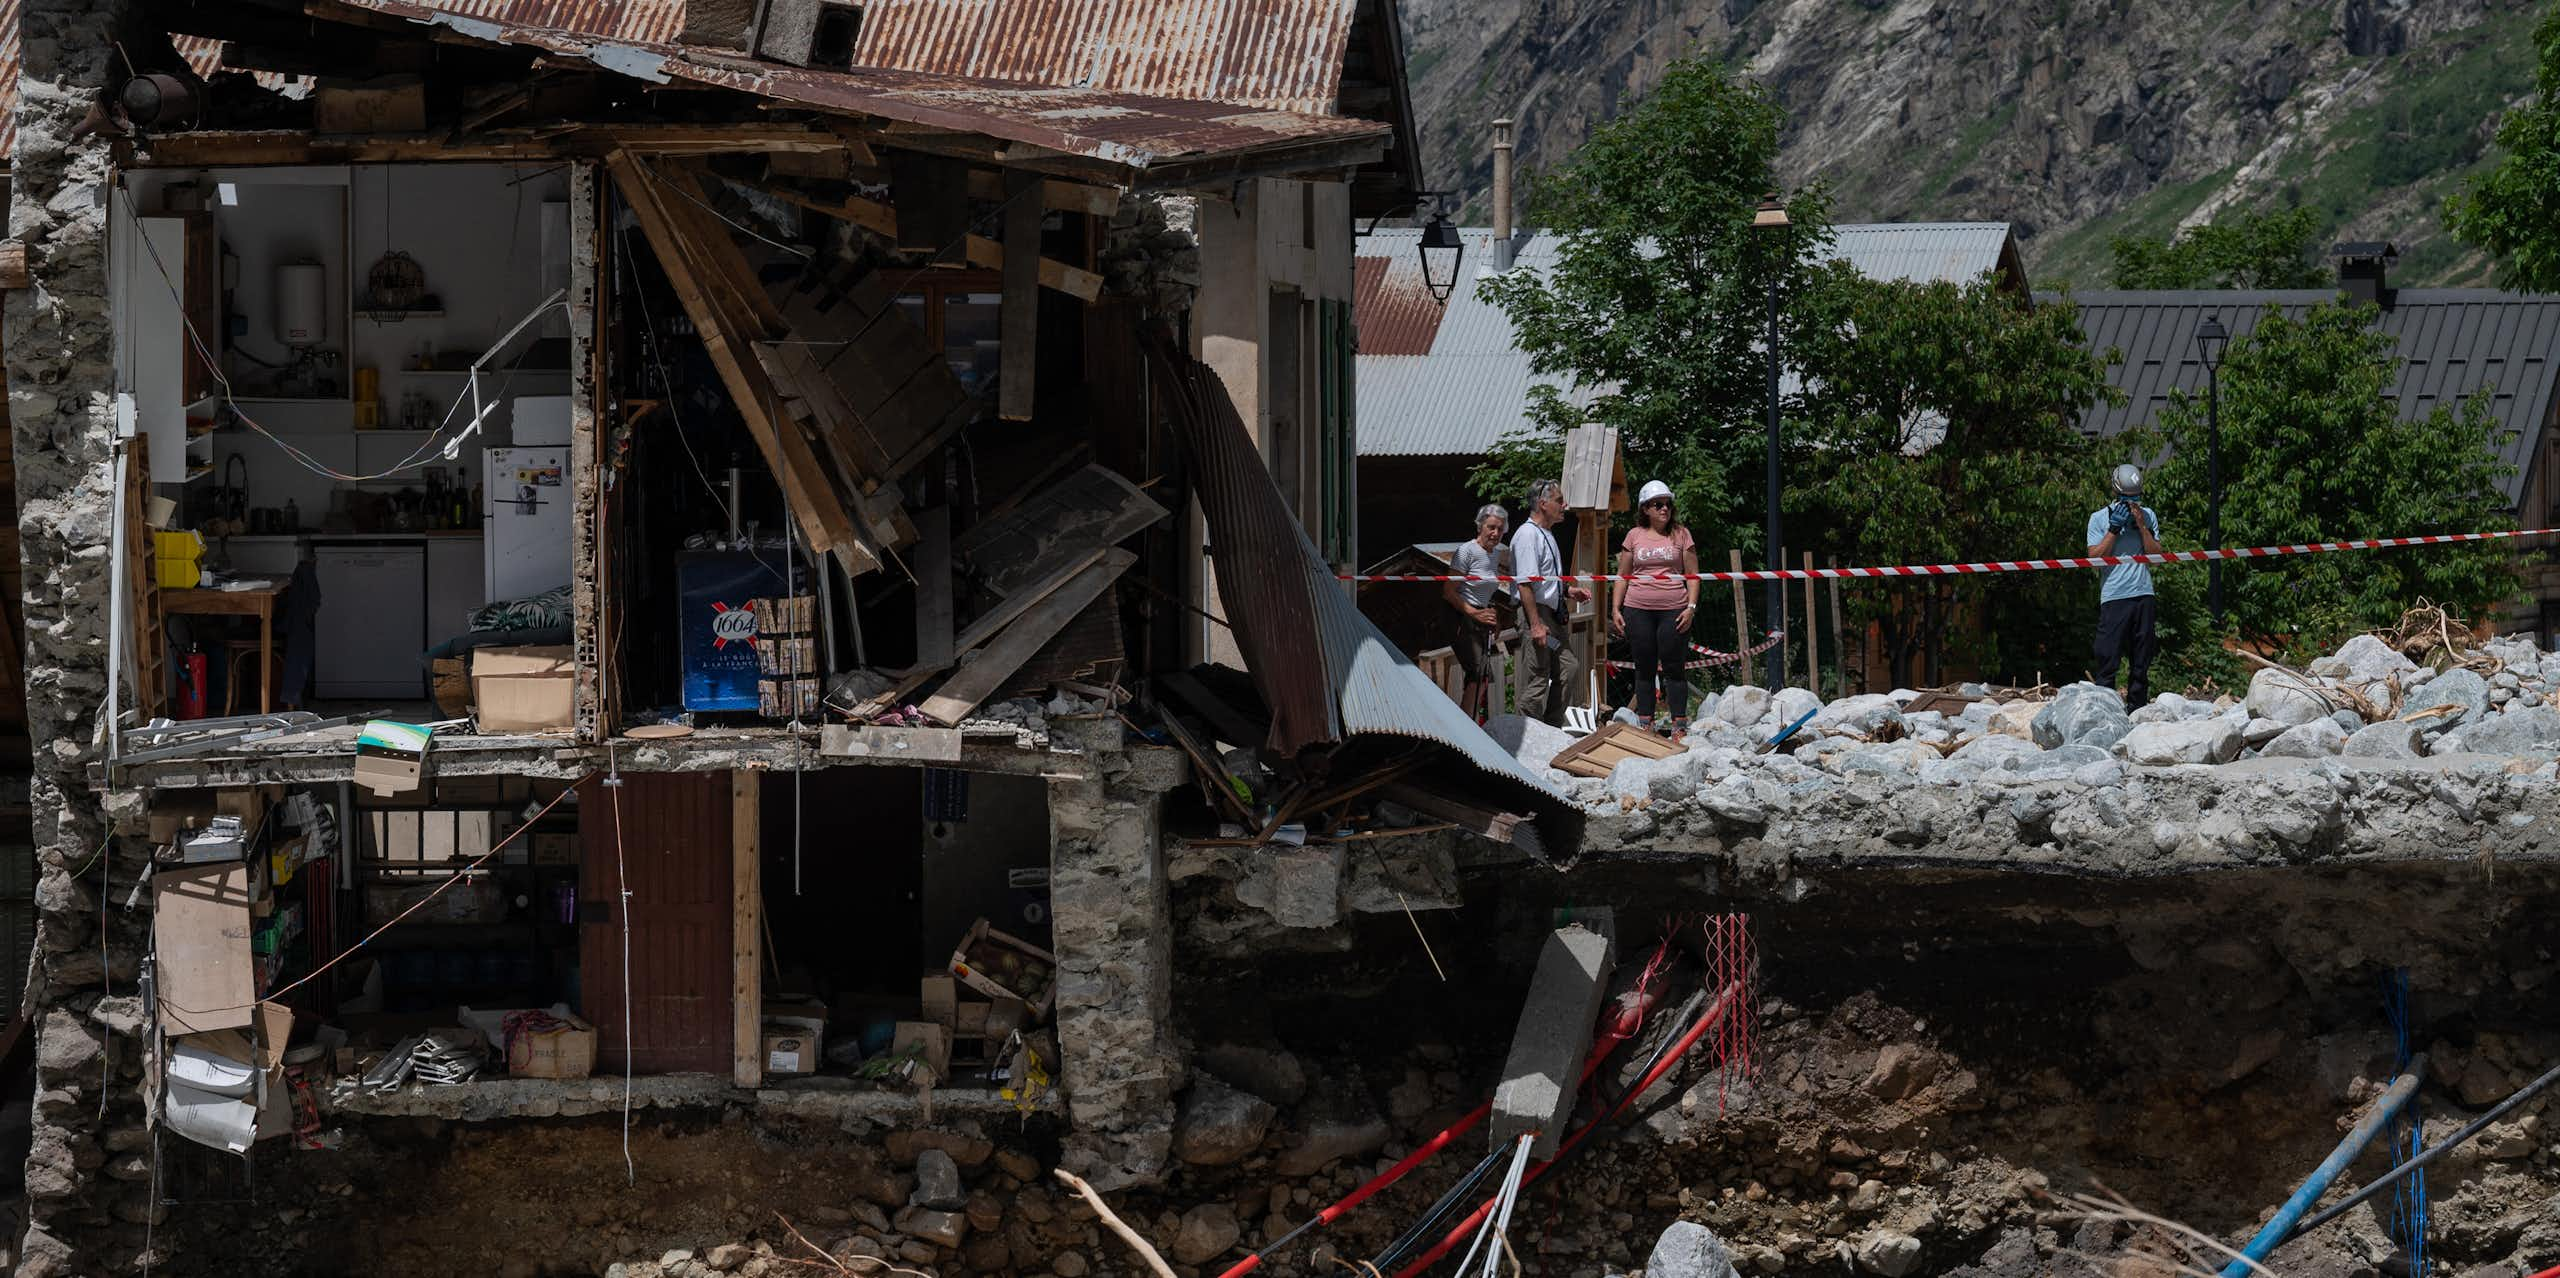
(2355, 750)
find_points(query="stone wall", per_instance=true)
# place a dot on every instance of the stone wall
(1112, 925)
(86, 1175)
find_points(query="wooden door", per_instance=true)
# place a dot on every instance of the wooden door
(673, 857)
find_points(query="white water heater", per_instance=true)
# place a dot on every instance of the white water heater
(302, 304)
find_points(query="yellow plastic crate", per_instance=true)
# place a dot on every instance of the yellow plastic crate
(177, 556)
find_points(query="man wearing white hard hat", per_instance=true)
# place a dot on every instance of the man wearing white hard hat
(1653, 609)
(2128, 611)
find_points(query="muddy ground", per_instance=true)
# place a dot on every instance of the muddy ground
(1935, 1057)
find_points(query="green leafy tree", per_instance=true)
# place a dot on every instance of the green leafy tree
(2513, 210)
(2255, 250)
(1658, 296)
(2312, 450)
(1946, 422)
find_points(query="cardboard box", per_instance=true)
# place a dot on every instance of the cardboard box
(384, 104)
(935, 1039)
(174, 812)
(554, 849)
(200, 927)
(523, 689)
(995, 963)
(788, 1051)
(939, 999)
(805, 1016)
(559, 1053)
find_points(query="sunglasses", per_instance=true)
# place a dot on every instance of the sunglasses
(1658, 503)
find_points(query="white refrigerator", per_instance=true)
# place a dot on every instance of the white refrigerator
(526, 535)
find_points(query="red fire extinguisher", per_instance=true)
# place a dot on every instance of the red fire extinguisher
(191, 697)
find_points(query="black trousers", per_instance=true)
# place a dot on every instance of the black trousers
(2128, 631)
(1654, 644)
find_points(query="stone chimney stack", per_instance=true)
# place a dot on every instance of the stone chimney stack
(1502, 195)
(2364, 271)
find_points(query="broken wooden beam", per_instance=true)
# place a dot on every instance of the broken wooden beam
(727, 307)
(1018, 311)
(978, 250)
(982, 672)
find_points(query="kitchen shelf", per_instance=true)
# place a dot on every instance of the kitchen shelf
(394, 317)
(269, 401)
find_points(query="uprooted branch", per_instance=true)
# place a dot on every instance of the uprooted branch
(2174, 1246)
(1111, 1220)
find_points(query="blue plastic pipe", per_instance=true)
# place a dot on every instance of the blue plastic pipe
(2385, 1108)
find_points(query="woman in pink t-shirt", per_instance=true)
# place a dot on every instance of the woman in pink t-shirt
(1654, 614)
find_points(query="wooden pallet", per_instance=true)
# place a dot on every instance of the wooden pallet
(1600, 753)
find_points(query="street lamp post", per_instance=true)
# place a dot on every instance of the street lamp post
(1771, 219)
(2211, 339)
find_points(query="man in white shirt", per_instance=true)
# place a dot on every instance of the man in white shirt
(1553, 666)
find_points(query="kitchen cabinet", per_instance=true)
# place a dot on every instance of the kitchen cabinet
(455, 584)
(168, 281)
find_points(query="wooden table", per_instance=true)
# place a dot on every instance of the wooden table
(255, 601)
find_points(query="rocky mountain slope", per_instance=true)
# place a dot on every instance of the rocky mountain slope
(2077, 120)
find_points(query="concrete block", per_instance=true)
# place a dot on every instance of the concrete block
(1541, 1076)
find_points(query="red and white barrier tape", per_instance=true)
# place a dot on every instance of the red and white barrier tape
(1948, 570)
(1715, 658)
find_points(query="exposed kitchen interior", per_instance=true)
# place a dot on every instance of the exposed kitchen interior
(354, 385)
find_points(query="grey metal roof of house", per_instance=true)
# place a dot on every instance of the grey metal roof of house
(2452, 344)
(1446, 379)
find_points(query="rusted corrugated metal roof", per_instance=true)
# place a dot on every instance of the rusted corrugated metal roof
(639, 21)
(1147, 136)
(11, 63)
(1396, 313)
(1282, 54)
(1328, 676)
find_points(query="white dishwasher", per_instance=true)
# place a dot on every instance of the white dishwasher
(373, 620)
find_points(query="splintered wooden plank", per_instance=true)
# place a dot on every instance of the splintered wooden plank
(707, 271)
(1075, 282)
(933, 587)
(1092, 508)
(1056, 193)
(985, 670)
(1018, 315)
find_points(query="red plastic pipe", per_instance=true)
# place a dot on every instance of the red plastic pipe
(1608, 1042)
(1706, 1020)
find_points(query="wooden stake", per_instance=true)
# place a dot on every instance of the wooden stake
(1812, 634)
(746, 911)
(1147, 1253)
(1741, 622)
(1839, 649)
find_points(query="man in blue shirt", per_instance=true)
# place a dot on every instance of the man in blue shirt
(2128, 611)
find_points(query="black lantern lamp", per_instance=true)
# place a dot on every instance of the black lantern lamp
(1441, 251)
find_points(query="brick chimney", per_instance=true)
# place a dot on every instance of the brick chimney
(2363, 271)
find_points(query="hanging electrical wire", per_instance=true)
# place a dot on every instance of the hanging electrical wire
(431, 447)
(2408, 1135)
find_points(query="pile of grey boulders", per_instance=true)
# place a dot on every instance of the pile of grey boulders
(2365, 701)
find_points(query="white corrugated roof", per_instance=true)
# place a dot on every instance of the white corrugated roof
(1441, 380)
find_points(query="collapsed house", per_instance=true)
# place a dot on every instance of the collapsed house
(671, 524)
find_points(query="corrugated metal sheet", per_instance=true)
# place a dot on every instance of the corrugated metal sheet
(1326, 673)
(2452, 343)
(1440, 379)
(675, 848)
(12, 63)
(1448, 380)
(635, 21)
(1142, 134)
(1926, 252)
(1286, 55)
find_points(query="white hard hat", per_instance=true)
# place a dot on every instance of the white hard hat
(1653, 489)
(2128, 479)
